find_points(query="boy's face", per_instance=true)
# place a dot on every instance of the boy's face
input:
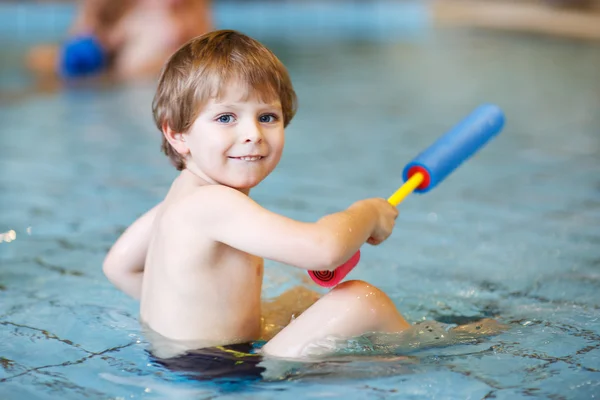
(236, 141)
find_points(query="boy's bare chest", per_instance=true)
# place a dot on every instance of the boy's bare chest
(241, 268)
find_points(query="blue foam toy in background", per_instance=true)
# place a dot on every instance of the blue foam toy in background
(82, 56)
(456, 146)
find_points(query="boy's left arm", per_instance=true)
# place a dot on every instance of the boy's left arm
(124, 263)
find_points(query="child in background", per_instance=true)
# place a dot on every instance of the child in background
(125, 38)
(196, 259)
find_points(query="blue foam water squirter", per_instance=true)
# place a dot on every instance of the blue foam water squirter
(456, 146)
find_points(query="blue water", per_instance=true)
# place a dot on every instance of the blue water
(514, 234)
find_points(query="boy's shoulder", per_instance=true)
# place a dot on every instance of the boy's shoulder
(207, 200)
(214, 194)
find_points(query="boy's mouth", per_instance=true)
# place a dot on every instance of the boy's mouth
(248, 158)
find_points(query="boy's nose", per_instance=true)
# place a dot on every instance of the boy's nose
(252, 133)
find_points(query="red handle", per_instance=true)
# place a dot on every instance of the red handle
(331, 278)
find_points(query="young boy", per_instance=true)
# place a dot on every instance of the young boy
(196, 259)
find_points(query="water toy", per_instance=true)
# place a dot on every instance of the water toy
(82, 56)
(431, 167)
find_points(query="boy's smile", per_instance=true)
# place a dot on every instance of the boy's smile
(248, 158)
(237, 139)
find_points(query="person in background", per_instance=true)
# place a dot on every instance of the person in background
(125, 39)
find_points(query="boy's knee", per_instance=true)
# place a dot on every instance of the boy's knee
(372, 303)
(361, 291)
(357, 286)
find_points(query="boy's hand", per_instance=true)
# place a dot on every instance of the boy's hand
(386, 220)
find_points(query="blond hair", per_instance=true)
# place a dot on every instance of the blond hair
(201, 69)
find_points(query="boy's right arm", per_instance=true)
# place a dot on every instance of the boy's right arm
(124, 263)
(241, 223)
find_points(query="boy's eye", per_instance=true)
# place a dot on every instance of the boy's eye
(225, 118)
(267, 118)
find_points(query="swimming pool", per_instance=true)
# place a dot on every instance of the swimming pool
(514, 234)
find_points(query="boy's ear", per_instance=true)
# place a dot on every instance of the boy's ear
(176, 140)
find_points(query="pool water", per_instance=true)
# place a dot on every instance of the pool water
(514, 234)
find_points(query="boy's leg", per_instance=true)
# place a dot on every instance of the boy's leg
(349, 310)
(278, 312)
